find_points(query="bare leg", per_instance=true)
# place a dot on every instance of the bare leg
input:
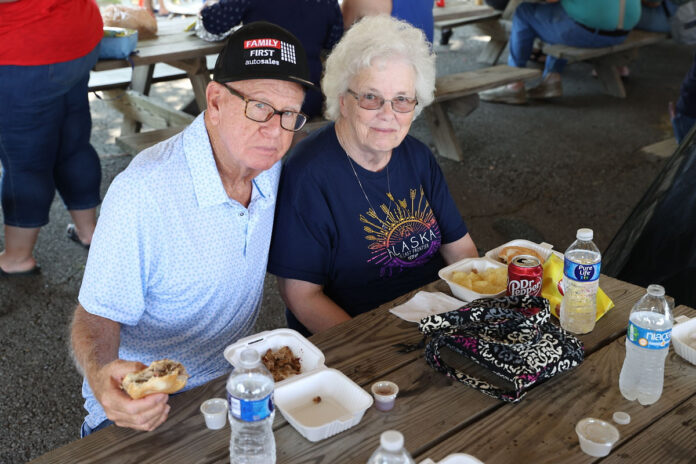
(85, 221)
(19, 248)
(162, 9)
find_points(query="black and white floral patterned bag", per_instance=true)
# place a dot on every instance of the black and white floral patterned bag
(511, 337)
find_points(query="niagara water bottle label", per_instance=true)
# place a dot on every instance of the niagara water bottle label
(250, 411)
(650, 339)
(581, 272)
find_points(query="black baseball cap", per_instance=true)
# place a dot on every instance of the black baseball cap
(261, 50)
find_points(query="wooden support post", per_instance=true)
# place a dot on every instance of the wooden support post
(141, 81)
(499, 31)
(444, 136)
(608, 73)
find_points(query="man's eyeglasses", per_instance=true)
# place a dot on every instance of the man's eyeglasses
(261, 112)
(370, 101)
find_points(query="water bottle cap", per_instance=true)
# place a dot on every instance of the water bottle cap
(249, 358)
(584, 234)
(621, 417)
(391, 440)
(656, 290)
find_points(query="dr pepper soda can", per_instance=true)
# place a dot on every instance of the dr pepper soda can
(525, 276)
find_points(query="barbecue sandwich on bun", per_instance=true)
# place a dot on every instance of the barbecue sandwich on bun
(163, 376)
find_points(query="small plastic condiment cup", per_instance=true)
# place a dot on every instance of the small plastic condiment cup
(596, 436)
(215, 413)
(385, 393)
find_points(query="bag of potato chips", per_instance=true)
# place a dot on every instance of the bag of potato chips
(552, 288)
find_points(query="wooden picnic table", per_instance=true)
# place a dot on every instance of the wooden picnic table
(437, 415)
(173, 46)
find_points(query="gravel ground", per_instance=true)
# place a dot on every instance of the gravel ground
(537, 171)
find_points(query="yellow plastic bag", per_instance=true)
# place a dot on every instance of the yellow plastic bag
(552, 288)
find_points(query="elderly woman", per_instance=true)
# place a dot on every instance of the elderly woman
(364, 214)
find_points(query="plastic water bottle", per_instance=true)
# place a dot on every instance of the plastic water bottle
(250, 396)
(580, 282)
(391, 450)
(647, 345)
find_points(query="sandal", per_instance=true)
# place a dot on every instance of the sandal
(537, 56)
(33, 271)
(71, 231)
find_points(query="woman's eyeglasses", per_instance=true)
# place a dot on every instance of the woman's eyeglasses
(370, 101)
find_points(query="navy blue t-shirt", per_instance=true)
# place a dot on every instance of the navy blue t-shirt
(326, 233)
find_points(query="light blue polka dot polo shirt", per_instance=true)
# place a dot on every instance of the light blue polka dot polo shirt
(175, 261)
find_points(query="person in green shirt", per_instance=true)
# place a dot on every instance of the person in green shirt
(577, 23)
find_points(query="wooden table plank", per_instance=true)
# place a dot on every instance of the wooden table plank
(459, 11)
(541, 428)
(671, 439)
(171, 43)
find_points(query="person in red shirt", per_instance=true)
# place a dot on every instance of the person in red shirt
(47, 48)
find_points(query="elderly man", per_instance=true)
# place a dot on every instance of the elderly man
(178, 259)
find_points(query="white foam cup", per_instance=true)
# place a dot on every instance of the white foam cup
(215, 413)
(385, 393)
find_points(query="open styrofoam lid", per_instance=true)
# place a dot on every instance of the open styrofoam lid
(311, 357)
(544, 249)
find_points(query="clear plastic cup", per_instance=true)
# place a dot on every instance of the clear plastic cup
(385, 393)
(214, 411)
(596, 436)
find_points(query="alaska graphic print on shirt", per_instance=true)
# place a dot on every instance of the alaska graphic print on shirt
(405, 236)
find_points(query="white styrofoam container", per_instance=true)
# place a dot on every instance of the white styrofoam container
(311, 357)
(684, 338)
(456, 458)
(343, 402)
(544, 249)
(467, 265)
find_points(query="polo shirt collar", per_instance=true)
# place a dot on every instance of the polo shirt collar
(204, 174)
(199, 156)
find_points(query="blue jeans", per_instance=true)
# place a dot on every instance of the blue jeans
(656, 19)
(682, 124)
(552, 25)
(87, 430)
(45, 126)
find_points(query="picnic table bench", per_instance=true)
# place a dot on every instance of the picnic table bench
(177, 48)
(458, 93)
(607, 60)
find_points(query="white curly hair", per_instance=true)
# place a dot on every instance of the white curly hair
(376, 37)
